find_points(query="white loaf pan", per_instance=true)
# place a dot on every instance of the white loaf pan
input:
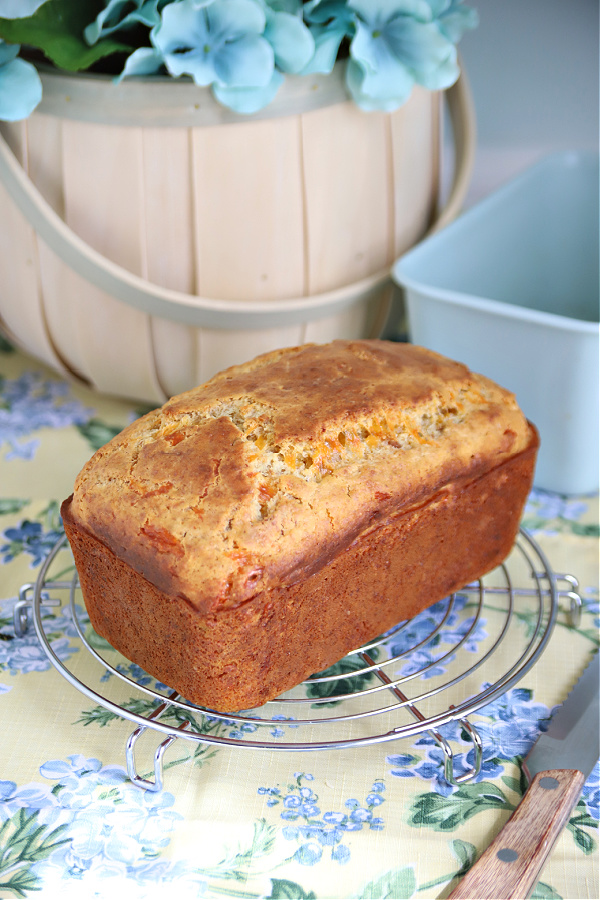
(511, 289)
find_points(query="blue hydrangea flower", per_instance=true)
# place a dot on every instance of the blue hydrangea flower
(453, 18)
(423, 661)
(330, 22)
(475, 636)
(292, 42)
(397, 44)
(19, 9)
(20, 84)
(278, 731)
(24, 655)
(418, 629)
(216, 42)
(118, 15)
(220, 43)
(309, 853)
(516, 721)
(341, 854)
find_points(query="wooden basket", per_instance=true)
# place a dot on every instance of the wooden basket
(150, 238)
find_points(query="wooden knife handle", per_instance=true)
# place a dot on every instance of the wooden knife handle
(511, 865)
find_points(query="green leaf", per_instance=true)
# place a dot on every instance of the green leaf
(544, 892)
(5, 345)
(584, 817)
(10, 505)
(348, 666)
(19, 883)
(513, 783)
(282, 889)
(56, 29)
(97, 433)
(50, 515)
(583, 530)
(396, 883)
(24, 843)
(583, 840)
(465, 853)
(95, 641)
(448, 813)
(589, 633)
(533, 523)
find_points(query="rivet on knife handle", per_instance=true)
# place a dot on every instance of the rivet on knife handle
(511, 865)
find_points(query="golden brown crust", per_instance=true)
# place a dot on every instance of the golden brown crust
(260, 478)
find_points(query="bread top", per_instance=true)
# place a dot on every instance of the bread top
(260, 476)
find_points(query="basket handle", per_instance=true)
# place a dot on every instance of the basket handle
(206, 312)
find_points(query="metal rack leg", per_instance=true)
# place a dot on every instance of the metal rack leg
(146, 783)
(441, 741)
(576, 603)
(24, 605)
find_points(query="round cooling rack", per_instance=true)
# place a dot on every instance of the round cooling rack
(418, 677)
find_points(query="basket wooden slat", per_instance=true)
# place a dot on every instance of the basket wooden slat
(253, 213)
(22, 305)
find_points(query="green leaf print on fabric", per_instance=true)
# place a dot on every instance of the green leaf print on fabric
(447, 813)
(399, 884)
(432, 810)
(350, 666)
(282, 889)
(579, 820)
(23, 842)
(5, 345)
(544, 892)
(11, 505)
(98, 433)
(201, 752)
(465, 853)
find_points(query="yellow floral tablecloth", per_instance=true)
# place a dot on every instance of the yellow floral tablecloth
(374, 821)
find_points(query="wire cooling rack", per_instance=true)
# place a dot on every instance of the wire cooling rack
(419, 676)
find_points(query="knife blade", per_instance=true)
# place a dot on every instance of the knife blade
(557, 767)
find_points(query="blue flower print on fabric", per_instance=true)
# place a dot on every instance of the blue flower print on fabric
(430, 657)
(549, 505)
(509, 727)
(591, 793)
(21, 655)
(30, 538)
(31, 402)
(319, 833)
(109, 828)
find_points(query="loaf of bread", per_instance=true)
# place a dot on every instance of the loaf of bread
(256, 529)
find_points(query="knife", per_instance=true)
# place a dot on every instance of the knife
(557, 768)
